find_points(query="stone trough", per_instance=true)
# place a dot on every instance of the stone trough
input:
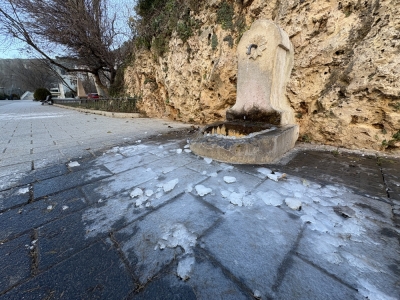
(260, 127)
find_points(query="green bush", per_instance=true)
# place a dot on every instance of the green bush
(41, 94)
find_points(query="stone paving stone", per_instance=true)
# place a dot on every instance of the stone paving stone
(121, 182)
(45, 173)
(183, 219)
(71, 180)
(95, 273)
(61, 239)
(15, 261)
(252, 242)
(207, 281)
(303, 281)
(19, 220)
(14, 197)
(364, 257)
(243, 187)
(200, 165)
(185, 181)
(130, 162)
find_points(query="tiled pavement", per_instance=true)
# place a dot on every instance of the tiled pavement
(150, 220)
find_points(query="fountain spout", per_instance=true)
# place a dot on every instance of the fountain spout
(249, 48)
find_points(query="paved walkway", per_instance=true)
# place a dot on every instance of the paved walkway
(147, 219)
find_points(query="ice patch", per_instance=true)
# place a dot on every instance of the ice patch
(149, 193)
(136, 193)
(23, 191)
(175, 236)
(264, 171)
(225, 194)
(214, 174)
(293, 203)
(73, 164)
(236, 199)
(229, 179)
(186, 147)
(276, 176)
(169, 186)
(50, 207)
(188, 150)
(371, 292)
(179, 151)
(270, 198)
(202, 190)
(185, 267)
(65, 207)
(208, 160)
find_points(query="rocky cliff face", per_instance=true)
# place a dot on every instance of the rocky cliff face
(344, 87)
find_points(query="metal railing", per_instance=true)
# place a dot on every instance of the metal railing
(126, 105)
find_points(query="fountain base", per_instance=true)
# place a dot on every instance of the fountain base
(244, 143)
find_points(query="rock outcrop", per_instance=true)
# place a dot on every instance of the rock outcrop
(344, 86)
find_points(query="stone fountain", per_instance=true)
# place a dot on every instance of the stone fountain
(260, 127)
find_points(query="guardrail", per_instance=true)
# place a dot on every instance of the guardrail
(127, 105)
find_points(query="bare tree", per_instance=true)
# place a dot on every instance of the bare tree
(85, 30)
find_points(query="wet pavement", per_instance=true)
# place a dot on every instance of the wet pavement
(134, 214)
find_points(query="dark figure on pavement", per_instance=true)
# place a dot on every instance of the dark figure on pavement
(48, 100)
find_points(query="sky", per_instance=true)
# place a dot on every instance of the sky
(14, 49)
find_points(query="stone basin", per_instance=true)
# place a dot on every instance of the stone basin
(244, 142)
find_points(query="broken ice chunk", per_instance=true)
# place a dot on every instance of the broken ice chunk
(50, 207)
(208, 160)
(270, 198)
(202, 190)
(65, 207)
(229, 179)
(185, 267)
(236, 199)
(293, 203)
(188, 150)
(136, 193)
(264, 171)
(225, 194)
(186, 146)
(169, 186)
(149, 193)
(179, 151)
(73, 164)
(23, 191)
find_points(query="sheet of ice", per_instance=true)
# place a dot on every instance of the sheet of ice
(179, 151)
(188, 150)
(236, 199)
(73, 164)
(270, 197)
(229, 179)
(170, 185)
(136, 193)
(23, 191)
(65, 207)
(264, 171)
(202, 190)
(185, 267)
(208, 160)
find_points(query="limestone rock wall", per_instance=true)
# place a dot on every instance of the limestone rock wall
(344, 87)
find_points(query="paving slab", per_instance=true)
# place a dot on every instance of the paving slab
(15, 262)
(97, 273)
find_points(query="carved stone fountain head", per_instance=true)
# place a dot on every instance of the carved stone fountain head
(260, 127)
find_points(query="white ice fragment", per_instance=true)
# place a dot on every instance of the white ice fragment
(149, 193)
(136, 192)
(73, 164)
(186, 146)
(169, 186)
(23, 191)
(257, 294)
(229, 179)
(185, 267)
(225, 194)
(293, 203)
(208, 160)
(188, 150)
(50, 207)
(179, 151)
(236, 199)
(160, 147)
(138, 141)
(34, 242)
(213, 174)
(204, 173)
(65, 207)
(189, 188)
(100, 201)
(178, 235)
(202, 190)
(168, 169)
(140, 201)
(148, 204)
(264, 171)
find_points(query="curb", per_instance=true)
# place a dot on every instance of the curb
(102, 113)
